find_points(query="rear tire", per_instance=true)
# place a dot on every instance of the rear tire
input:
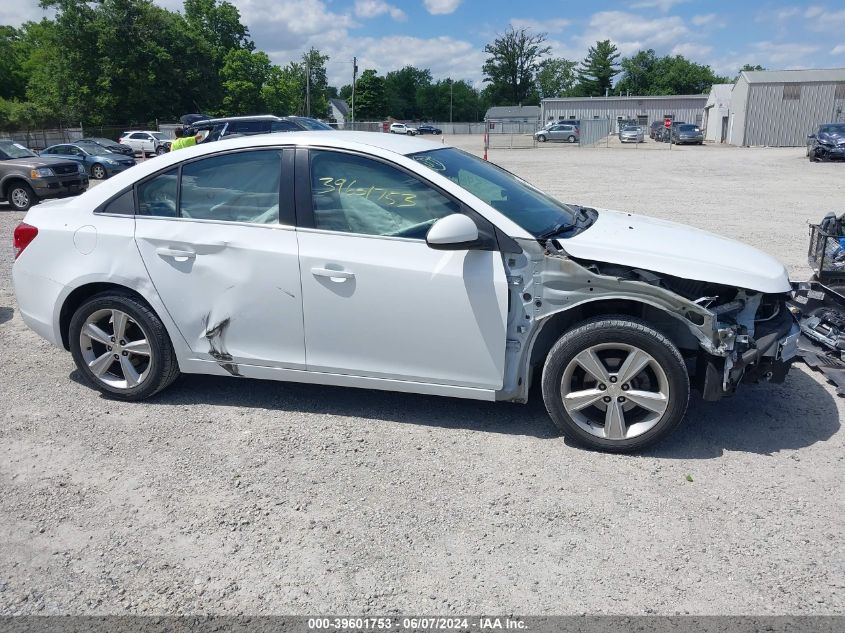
(121, 347)
(615, 384)
(21, 196)
(571, 138)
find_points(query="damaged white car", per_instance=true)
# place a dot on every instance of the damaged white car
(386, 262)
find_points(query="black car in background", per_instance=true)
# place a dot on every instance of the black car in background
(687, 134)
(655, 129)
(227, 127)
(828, 143)
(425, 128)
(112, 146)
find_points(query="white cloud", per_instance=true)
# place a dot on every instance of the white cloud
(375, 8)
(441, 7)
(692, 50)
(786, 55)
(839, 49)
(540, 26)
(707, 19)
(632, 32)
(16, 13)
(662, 5)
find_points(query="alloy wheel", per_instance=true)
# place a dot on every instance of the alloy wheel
(98, 172)
(615, 391)
(19, 197)
(115, 348)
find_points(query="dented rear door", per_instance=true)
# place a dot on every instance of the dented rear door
(217, 239)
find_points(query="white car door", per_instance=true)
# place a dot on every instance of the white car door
(218, 241)
(379, 302)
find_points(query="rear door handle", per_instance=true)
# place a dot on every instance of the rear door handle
(334, 275)
(175, 253)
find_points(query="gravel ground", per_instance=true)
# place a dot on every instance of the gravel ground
(223, 496)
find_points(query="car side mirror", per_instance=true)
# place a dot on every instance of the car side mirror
(455, 232)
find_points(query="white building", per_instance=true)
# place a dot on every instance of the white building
(780, 108)
(339, 111)
(717, 113)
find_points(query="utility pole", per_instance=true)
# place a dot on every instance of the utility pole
(354, 79)
(450, 101)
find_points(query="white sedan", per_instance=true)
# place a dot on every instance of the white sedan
(387, 262)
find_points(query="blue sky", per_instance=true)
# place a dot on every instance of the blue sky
(448, 36)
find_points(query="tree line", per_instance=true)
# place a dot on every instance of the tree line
(131, 61)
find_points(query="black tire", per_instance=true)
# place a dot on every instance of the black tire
(625, 331)
(21, 196)
(98, 172)
(541, 138)
(163, 366)
(571, 138)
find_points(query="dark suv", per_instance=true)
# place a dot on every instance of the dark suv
(226, 127)
(25, 177)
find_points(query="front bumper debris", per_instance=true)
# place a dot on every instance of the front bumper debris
(821, 316)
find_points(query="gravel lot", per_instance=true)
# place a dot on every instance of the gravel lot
(234, 496)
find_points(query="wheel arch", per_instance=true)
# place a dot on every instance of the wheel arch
(555, 325)
(84, 292)
(11, 179)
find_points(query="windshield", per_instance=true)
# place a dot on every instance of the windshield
(159, 136)
(15, 150)
(514, 198)
(833, 129)
(92, 148)
(688, 128)
(631, 128)
(312, 124)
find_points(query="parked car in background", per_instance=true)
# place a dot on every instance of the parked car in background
(480, 284)
(552, 122)
(227, 127)
(655, 129)
(99, 163)
(828, 142)
(632, 134)
(401, 128)
(687, 134)
(26, 178)
(565, 132)
(425, 128)
(112, 146)
(146, 142)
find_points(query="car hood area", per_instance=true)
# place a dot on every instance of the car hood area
(676, 249)
(37, 161)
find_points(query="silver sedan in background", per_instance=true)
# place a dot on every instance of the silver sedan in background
(632, 134)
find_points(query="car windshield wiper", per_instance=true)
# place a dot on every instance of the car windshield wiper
(558, 228)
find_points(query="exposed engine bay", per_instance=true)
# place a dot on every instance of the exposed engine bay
(726, 334)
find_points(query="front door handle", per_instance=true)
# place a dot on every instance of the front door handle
(334, 275)
(175, 253)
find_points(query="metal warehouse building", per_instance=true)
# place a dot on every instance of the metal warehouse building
(779, 108)
(644, 110)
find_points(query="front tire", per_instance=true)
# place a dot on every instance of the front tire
(542, 138)
(21, 196)
(615, 384)
(161, 150)
(98, 172)
(121, 347)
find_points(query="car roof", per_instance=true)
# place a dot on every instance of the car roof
(225, 119)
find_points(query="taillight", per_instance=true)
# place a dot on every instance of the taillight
(23, 236)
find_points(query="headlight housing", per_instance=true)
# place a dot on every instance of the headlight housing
(80, 168)
(41, 172)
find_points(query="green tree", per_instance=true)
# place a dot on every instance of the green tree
(598, 69)
(282, 91)
(244, 75)
(314, 63)
(400, 88)
(647, 74)
(12, 75)
(370, 101)
(513, 60)
(556, 77)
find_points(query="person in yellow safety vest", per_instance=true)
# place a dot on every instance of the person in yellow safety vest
(184, 140)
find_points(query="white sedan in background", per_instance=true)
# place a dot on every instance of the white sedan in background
(386, 262)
